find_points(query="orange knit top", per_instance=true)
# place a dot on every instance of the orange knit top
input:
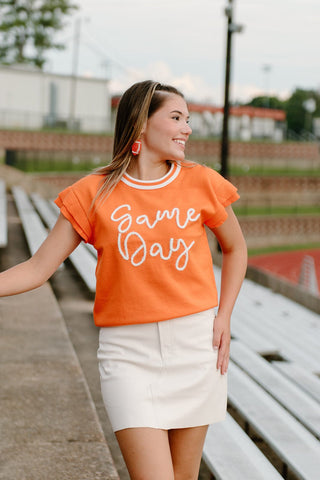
(154, 261)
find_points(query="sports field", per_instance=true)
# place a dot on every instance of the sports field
(287, 264)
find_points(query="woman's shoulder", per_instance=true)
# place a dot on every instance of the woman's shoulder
(89, 183)
(201, 171)
(209, 180)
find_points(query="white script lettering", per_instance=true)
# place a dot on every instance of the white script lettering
(174, 213)
(132, 245)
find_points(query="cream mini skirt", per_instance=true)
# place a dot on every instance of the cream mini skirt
(162, 375)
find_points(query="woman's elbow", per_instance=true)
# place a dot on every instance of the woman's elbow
(39, 272)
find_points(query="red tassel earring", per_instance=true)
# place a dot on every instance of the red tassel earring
(136, 148)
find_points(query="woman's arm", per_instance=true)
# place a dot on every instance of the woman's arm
(61, 241)
(234, 264)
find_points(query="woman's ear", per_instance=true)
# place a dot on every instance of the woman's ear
(143, 128)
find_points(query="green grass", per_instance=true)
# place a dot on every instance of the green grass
(58, 130)
(276, 210)
(216, 139)
(263, 170)
(59, 167)
(74, 163)
(282, 248)
(54, 165)
(274, 171)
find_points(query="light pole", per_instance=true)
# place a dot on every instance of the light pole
(231, 28)
(74, 73)
(310, 107)
(73, 85)
(267, 69)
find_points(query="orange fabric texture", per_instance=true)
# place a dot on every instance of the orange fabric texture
(154, 261)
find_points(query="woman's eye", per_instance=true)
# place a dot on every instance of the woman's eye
(176, 118)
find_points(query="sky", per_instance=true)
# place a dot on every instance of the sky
(183, 42)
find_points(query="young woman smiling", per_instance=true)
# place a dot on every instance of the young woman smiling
(163, 352)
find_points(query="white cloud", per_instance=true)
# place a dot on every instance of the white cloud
(244, 93)
(194, 87)
(191, 50)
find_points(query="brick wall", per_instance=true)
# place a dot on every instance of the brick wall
(278, 191)
(43, 141)
(292, 150)
(266, 231)
(259, 231)
(274, 184)
(19, 140)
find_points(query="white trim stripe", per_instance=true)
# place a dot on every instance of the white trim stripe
(158, 180)
(153, 184)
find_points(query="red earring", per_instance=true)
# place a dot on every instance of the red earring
(136, 147)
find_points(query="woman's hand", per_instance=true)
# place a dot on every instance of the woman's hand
(234, 264)
(221, 342)
(60, 242)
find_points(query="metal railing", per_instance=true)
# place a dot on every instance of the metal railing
(26, 120)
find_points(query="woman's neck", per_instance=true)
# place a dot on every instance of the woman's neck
(148, 171)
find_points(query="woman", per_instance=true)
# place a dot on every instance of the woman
(163, 354)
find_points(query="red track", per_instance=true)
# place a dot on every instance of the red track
(286, 264)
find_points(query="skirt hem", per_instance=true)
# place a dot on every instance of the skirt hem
(173, 427)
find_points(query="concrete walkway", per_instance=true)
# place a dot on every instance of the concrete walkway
(48, 422)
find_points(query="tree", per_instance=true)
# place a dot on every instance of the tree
(27, 28)
(267, 102)
(298, 118)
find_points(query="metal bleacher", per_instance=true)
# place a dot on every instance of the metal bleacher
(3, 215)
(47, 213)
(274, 384)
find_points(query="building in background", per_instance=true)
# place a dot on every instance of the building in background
(316, 127)
(245, 123)
(33, 99)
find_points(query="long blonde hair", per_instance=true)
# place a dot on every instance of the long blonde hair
(137, 104)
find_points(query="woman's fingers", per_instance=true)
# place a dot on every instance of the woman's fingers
(216, 339)
(224, 363)
(221, 342)
(223, 354)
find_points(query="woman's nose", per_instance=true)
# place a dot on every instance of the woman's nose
(187, 129)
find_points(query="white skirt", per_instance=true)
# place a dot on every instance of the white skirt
(162, 375)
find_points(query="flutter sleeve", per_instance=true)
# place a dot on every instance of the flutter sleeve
(75, 205)
(221, 193)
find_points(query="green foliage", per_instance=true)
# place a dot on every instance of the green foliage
(298, 118)
(27, 28)
(260, 169)
(267, 102)
(282, 248)
(276, 210)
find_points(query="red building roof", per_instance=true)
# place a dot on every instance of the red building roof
(279, 115)
(253, 112)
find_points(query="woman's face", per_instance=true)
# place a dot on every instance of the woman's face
(167, 130)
